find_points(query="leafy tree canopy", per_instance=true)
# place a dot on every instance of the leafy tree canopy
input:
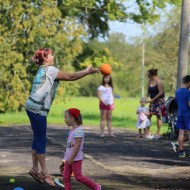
(95, 14)
(64, 26)
(161, 52)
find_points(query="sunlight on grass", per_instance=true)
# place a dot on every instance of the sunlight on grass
(124, 114)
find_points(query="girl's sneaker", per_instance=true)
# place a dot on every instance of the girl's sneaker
(57, 182)
(149, 137)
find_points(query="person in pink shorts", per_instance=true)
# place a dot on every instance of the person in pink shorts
(74, 151)
(106, 104)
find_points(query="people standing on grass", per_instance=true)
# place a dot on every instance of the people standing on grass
(143, 122)
(74, 151)
(155, 93)
(39, 103)
(106, 104)
(182, 98)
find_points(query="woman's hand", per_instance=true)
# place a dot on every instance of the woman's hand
(90, 69)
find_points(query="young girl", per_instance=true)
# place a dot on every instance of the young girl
(106, 104)
(74, 151)
(143, 122)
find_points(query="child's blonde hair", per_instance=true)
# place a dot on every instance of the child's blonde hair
(143, 99)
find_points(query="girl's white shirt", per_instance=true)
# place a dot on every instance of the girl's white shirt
(106, 94)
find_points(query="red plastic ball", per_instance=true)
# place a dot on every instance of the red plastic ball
(106, 69)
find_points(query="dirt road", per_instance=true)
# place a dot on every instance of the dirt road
(120, 163)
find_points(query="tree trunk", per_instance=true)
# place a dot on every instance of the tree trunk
(184, 41)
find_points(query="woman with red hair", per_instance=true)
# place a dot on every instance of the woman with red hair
(38, 105)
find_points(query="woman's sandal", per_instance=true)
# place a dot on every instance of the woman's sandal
(36, 175)
(48, 179)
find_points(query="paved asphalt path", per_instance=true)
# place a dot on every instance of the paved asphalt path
(120, 163)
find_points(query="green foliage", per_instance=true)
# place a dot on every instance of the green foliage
(95, 53)
(148, 10)
(24, 27)
(14, 83)
(67, 88)
(161, 51)
(95, 14)
(64, 26)
(88, 85)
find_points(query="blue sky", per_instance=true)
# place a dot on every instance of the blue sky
(131, 29)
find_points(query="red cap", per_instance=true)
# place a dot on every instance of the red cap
(74, 112)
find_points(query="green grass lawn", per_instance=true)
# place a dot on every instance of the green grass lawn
(124, 114)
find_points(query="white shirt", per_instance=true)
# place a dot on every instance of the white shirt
(106, 94)
(43, 90)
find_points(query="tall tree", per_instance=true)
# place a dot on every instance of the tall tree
(61, 25)
(24, 27)
(96, 14)
(184, 41)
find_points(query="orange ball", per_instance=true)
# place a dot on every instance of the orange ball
(105, 69)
